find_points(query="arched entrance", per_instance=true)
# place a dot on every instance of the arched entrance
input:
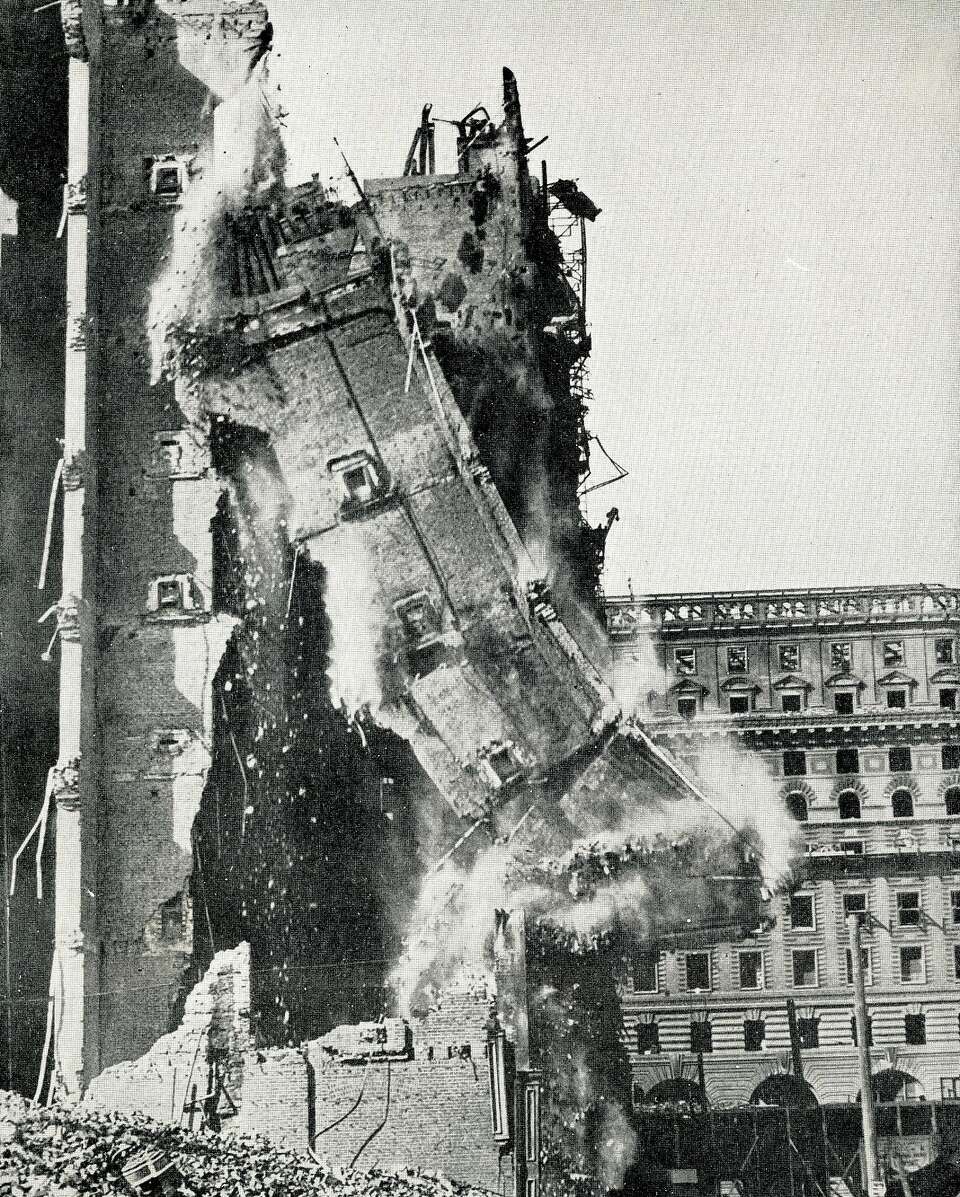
(784, 1089)
(891, 1085)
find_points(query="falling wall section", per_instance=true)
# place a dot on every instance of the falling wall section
(476, 259)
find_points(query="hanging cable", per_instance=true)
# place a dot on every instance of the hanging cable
(40, 825)
(48, 534)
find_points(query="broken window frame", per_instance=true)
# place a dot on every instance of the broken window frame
(738, 658)
(841, 656)
(945, 650)
(170, 166)
(494, 753)
(894, 654)
(685, 661)
(857, 902)
(173, 594)
(788, 658)
(354, 500)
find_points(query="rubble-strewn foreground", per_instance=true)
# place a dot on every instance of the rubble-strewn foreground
(59, 1152)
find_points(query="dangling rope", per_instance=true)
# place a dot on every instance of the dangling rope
(57, 475)
(40, 825)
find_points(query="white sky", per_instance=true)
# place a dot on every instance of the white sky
(774, 279)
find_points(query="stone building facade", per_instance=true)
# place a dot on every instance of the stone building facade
(849, 700)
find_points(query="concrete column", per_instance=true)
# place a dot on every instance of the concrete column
(75, 823)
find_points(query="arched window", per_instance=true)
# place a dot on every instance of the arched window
(901, 802)
(849, 805)
(951, 800)
(797, 806)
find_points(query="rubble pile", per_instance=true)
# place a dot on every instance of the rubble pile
(59, 1152)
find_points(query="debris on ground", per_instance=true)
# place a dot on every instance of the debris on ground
(68, 1152)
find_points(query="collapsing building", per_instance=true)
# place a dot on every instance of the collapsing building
(327, 620)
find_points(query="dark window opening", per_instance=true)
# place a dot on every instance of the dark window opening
(950, 756)
(418, 617)
(805, 968)
(911, 965)
(701, 1036)
(791, 702)
(915, 1029)
(648, 1037)
(169, 593)
(951, 800)
(794, 764)
(698, 970)
(504, 764)
(855, 904)
(853, 1031)
(172, 927)
(848, 761)
(754, 1033)
(843, 702)
(943, 650)
(736, 660)
(896, 699)
(751, 970)
(425, 659)
(645, 972)
(797, 806)
(948, 700)
(808, 1030)
(900, 760)
(802, 912)
(901, 803)
(685, 661)
(686, 707)
(909, 913)
(166, 181)
(739, 704)
(893, 653)
(955, 906)
(956, 961)
(788, 656)
(359, 484)
(840, 657)
(848, 805)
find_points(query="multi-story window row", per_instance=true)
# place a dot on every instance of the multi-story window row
(850, 701)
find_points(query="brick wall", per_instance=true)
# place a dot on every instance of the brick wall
(216, 1018)
(432, 1111)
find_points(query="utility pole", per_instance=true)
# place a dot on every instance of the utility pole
(871, 1161)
